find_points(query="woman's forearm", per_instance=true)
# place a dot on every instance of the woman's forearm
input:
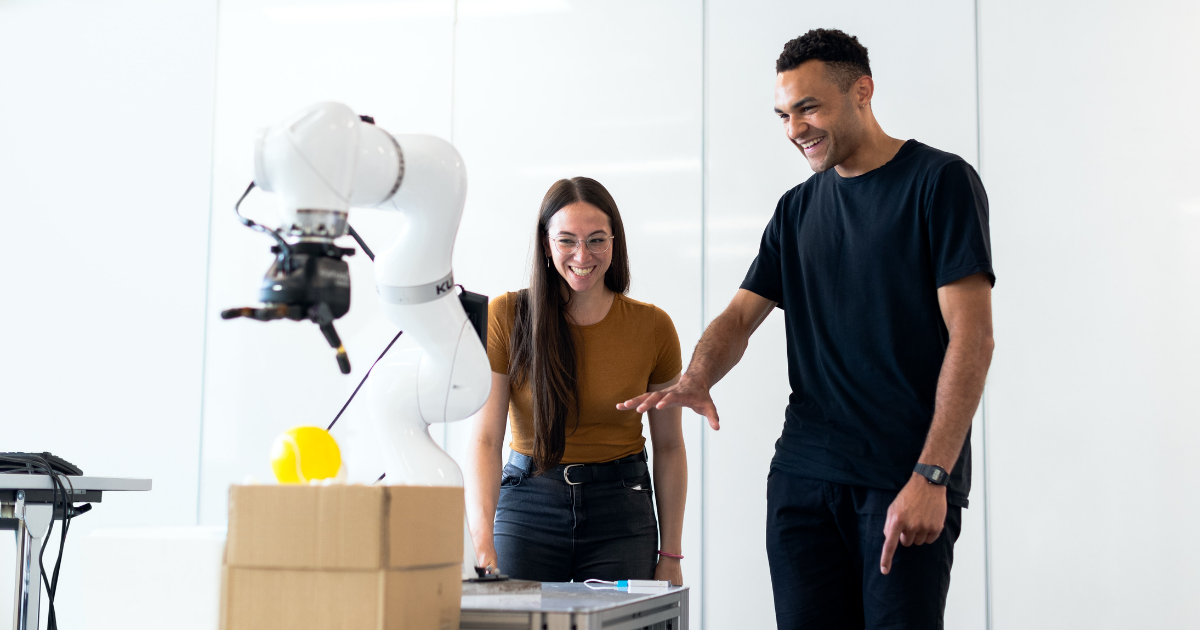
(483, 469)
(482, 493)
(670, 492)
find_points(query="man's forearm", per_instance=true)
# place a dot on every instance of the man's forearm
(959, 388)
(719, 349)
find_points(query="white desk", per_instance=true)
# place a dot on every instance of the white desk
(574, 606)
(26, 506)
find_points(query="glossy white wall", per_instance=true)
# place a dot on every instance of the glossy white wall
(541, 90)
(105, 123)
(106, 129)
(923, 61)
(1089, 133)
(390, 60)
(608, 90)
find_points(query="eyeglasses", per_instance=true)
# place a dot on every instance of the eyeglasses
(568, 245)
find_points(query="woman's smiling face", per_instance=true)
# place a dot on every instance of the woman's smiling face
(579, 222)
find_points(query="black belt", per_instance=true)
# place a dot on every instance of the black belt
(575, 474)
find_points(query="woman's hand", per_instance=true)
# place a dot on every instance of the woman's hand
(668, 569)
(487, 559)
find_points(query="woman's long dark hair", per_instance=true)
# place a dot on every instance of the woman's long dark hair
(543, 348)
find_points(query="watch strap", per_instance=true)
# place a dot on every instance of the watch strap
(934, 474)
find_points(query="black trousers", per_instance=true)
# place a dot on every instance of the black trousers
(824, 541)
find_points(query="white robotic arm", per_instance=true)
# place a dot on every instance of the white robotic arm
(321, 162)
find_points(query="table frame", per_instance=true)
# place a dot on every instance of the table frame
(26, 507)
(667, 610)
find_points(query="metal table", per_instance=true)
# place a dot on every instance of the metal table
(26, 506)
(575, 606)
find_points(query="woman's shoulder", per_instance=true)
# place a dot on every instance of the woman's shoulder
(504, 302)
(502, 311)
(654, 320)
(504, 299)
(646, 310)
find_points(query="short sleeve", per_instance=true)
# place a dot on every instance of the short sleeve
(499, 331)
(765, 276)
(668, 356)
(960, 242)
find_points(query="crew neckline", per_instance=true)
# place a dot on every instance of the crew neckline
(901, 153)
(611, 308)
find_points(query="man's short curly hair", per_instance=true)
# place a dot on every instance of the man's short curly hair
(843, 55)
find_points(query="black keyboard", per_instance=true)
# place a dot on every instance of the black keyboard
(30, 464)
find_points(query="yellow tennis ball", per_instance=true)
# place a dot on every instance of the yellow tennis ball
(301, 454)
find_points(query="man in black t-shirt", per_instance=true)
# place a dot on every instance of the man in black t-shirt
(881, 262)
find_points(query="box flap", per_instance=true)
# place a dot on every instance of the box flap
(423, 599)
(425, 526)
(302, 599)
(316, 527)
(318, 599)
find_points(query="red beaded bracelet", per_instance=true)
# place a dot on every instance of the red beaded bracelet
(670, 555)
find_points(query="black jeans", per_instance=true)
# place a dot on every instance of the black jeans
(824, 541)
(550, 531)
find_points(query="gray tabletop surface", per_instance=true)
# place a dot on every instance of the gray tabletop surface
(566, 597)
(42, 482)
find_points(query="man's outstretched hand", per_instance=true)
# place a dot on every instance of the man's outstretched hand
(688, 392)
(915, 517)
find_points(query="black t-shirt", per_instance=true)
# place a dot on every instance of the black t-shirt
(855, 263)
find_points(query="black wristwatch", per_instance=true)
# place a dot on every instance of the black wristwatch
(936, 475)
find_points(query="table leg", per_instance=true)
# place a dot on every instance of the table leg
(33, 524)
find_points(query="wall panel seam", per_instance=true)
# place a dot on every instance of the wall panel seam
(453, 69)
(983, 411)
(703, 300)
(212, 169)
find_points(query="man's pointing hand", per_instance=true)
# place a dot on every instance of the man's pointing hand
(688, 392)
(915, 517)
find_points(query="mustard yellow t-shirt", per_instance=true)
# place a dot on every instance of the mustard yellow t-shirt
(634, 346)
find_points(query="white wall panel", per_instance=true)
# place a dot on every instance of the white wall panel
(105, 133)
(391, 60)
(609, 90)
(108, 160)
(108, 154)
(923, 61)
(1089, 134)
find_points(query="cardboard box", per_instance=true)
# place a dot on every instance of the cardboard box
(344, 527)
(345, 557)
(306, 599)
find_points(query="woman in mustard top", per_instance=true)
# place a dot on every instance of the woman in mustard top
(575, 500)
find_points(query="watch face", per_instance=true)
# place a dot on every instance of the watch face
(937, 475)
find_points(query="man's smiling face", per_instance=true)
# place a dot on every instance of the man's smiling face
(818, 118)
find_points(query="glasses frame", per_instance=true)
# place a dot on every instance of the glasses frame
(609, 238)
